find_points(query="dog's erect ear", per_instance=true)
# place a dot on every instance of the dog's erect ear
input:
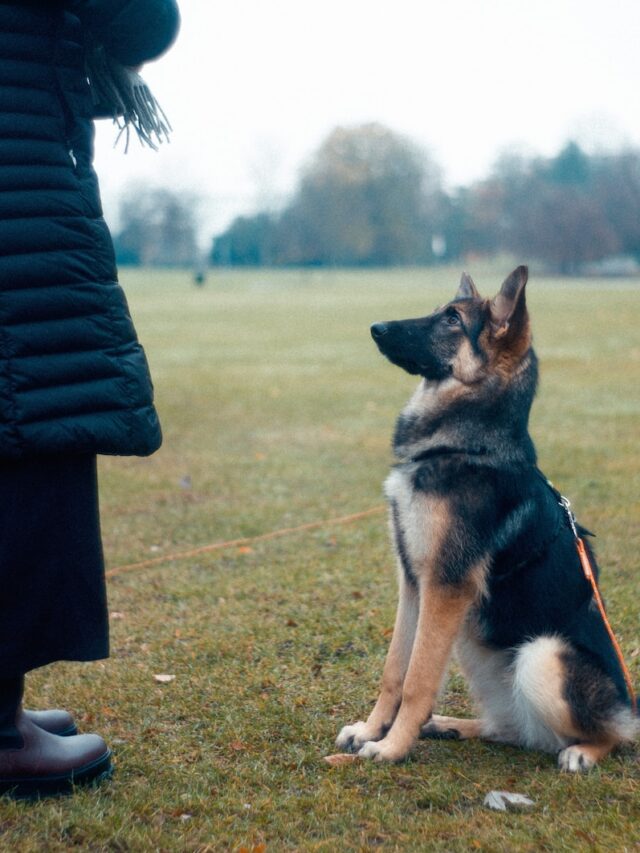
(467, 289)
(509, 308)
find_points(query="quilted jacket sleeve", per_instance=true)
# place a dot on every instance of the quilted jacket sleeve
(132, 31)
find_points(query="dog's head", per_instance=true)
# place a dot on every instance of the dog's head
(467, 339)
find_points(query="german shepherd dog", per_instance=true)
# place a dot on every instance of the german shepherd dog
(486, 556)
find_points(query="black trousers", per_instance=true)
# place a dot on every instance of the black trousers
(52, 588)
(10, 699)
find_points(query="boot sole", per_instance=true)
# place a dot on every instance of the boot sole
(48, 786)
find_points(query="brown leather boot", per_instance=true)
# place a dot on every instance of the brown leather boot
(49, 764)
(55, 721)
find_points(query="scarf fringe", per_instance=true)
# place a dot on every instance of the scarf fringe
(122, 93)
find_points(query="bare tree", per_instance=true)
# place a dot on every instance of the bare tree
(367, 197)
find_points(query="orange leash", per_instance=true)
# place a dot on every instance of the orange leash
(244, 541)
(589, 574)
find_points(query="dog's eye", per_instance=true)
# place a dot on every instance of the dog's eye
(452, 319)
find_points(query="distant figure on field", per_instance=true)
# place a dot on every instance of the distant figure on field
(74, 381)
(200, 278)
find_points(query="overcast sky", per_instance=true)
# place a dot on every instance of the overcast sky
(253, 86)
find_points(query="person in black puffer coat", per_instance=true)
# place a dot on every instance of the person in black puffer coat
(74, 381)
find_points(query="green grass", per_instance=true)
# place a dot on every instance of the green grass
(278, 408)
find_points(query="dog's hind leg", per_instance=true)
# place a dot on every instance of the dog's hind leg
(452, 728)
(583, 756)
(541, 712)
(395, 669)
(562, 701)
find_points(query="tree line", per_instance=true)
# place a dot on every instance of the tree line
(371, 197)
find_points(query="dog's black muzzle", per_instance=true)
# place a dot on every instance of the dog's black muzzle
(379, 330)
(406, 344)
(392, 339)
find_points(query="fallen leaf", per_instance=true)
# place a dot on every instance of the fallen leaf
(635, 653)
(341, 758)
(237, 745)
(116, 614)
(585, 836)
(245, 549)
(501, 801)
(163, 678)
(291, 623)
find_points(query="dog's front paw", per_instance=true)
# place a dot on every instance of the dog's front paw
(382, 751)
(352, 737)
(575, 759)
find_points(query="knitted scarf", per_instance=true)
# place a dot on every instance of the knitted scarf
(121, 93)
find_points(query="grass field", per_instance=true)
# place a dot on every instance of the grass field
(277, 411)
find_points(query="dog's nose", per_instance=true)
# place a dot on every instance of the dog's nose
(378, 330)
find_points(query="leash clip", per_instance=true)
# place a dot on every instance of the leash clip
(565, 503)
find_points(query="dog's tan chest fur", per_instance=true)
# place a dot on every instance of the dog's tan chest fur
(423, 518)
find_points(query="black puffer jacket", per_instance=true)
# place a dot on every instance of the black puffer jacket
(73, 377)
